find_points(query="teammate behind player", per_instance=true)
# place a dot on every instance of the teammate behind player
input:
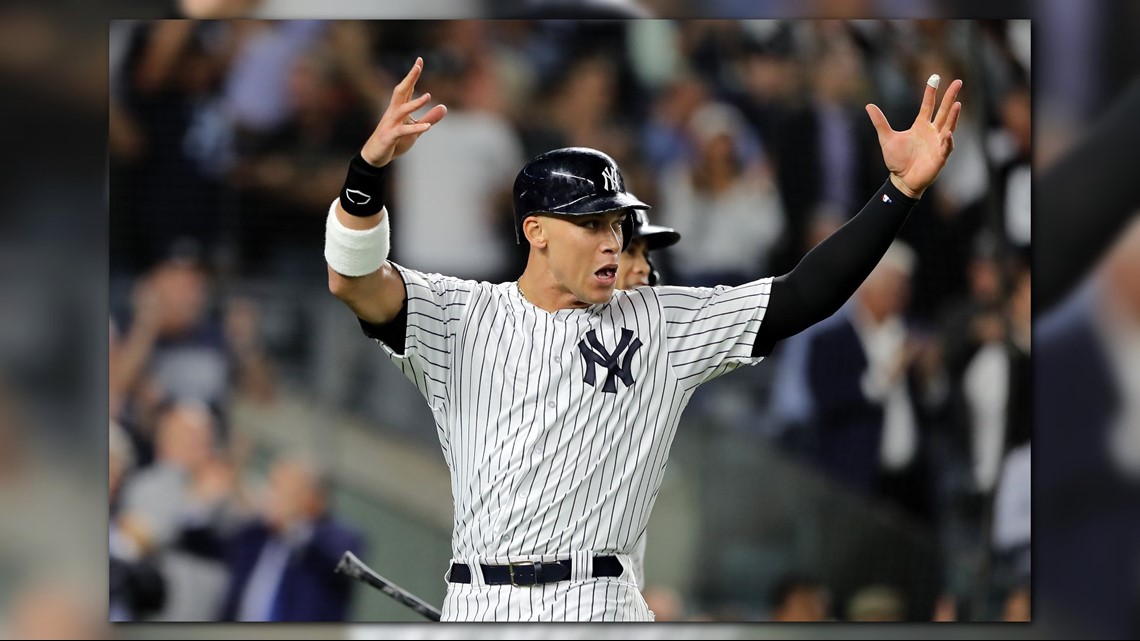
(635, 268)
(556, 397)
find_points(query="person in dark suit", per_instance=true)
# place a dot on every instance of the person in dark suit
(825, 158)
(867, 424)
(282, 565)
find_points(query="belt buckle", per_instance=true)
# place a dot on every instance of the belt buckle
(527, 575)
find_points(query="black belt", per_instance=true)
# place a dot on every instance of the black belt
(524, 574)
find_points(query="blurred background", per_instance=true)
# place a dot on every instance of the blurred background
(54, 337)
(248, 406)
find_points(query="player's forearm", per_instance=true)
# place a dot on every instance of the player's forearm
(357, 243)
(831, 272)
(1090, 184)
(834, 269)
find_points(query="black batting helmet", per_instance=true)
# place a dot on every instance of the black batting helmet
(656, 236)
(573, 181)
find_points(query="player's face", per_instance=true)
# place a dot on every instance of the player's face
(584, 254)
(633, 269)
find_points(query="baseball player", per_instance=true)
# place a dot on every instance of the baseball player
(556, 396)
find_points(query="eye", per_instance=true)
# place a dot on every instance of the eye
(591, 223)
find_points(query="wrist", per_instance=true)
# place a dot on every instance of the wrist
(365, 188)
(905, 189)
(372, 161)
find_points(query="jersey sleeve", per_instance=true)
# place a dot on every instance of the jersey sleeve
(434, 309)
(711, 330)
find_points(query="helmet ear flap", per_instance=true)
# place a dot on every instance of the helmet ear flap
(627, 229)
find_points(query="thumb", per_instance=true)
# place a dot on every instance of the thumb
(882, 127)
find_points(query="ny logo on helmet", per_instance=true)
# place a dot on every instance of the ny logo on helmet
(594, 353)
(609, 174)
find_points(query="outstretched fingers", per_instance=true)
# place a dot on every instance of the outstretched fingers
(926, 111)
(434, 115)
(948, 101)
(403, 91)
(408, 108)
(882, 127)
(952, 121)
(410, 130)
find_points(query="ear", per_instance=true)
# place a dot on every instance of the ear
(535, 233)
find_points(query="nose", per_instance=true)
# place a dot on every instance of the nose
(612, 242)
(640, 265)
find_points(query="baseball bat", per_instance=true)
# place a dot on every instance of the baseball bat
(353, 567)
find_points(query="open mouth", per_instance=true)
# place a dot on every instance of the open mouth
(606, 274)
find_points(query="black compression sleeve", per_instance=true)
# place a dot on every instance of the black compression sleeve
(1084, 201)
(831, 272)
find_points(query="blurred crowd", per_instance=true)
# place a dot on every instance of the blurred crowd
(195, 533)
(54, 274)
(229, 139)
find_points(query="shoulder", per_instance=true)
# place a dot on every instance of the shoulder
(641, 299)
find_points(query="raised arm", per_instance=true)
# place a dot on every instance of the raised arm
(831, 272)
(356, 240)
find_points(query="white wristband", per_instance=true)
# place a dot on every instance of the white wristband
(355, 252)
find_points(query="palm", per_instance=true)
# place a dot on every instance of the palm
(916, 156)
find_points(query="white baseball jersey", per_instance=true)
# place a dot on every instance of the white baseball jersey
(557, 426)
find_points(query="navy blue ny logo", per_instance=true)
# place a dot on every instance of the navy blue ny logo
(595, 353)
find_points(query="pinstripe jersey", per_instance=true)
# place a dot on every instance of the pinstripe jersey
(557, 426)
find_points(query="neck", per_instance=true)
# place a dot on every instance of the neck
(542, 290)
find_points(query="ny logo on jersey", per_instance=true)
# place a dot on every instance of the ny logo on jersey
(594, 353)
(609, 174)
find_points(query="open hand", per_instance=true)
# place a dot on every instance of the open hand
(916, 156)
(398, 131)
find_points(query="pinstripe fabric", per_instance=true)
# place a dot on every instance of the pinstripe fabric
(544, 464)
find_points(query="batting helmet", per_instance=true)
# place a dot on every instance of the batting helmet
(656, 236)
(574, 181)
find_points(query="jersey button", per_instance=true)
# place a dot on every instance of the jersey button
(557, 359)
(551, 404)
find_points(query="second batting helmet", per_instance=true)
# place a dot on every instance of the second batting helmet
(574, 181)
(656, 236)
